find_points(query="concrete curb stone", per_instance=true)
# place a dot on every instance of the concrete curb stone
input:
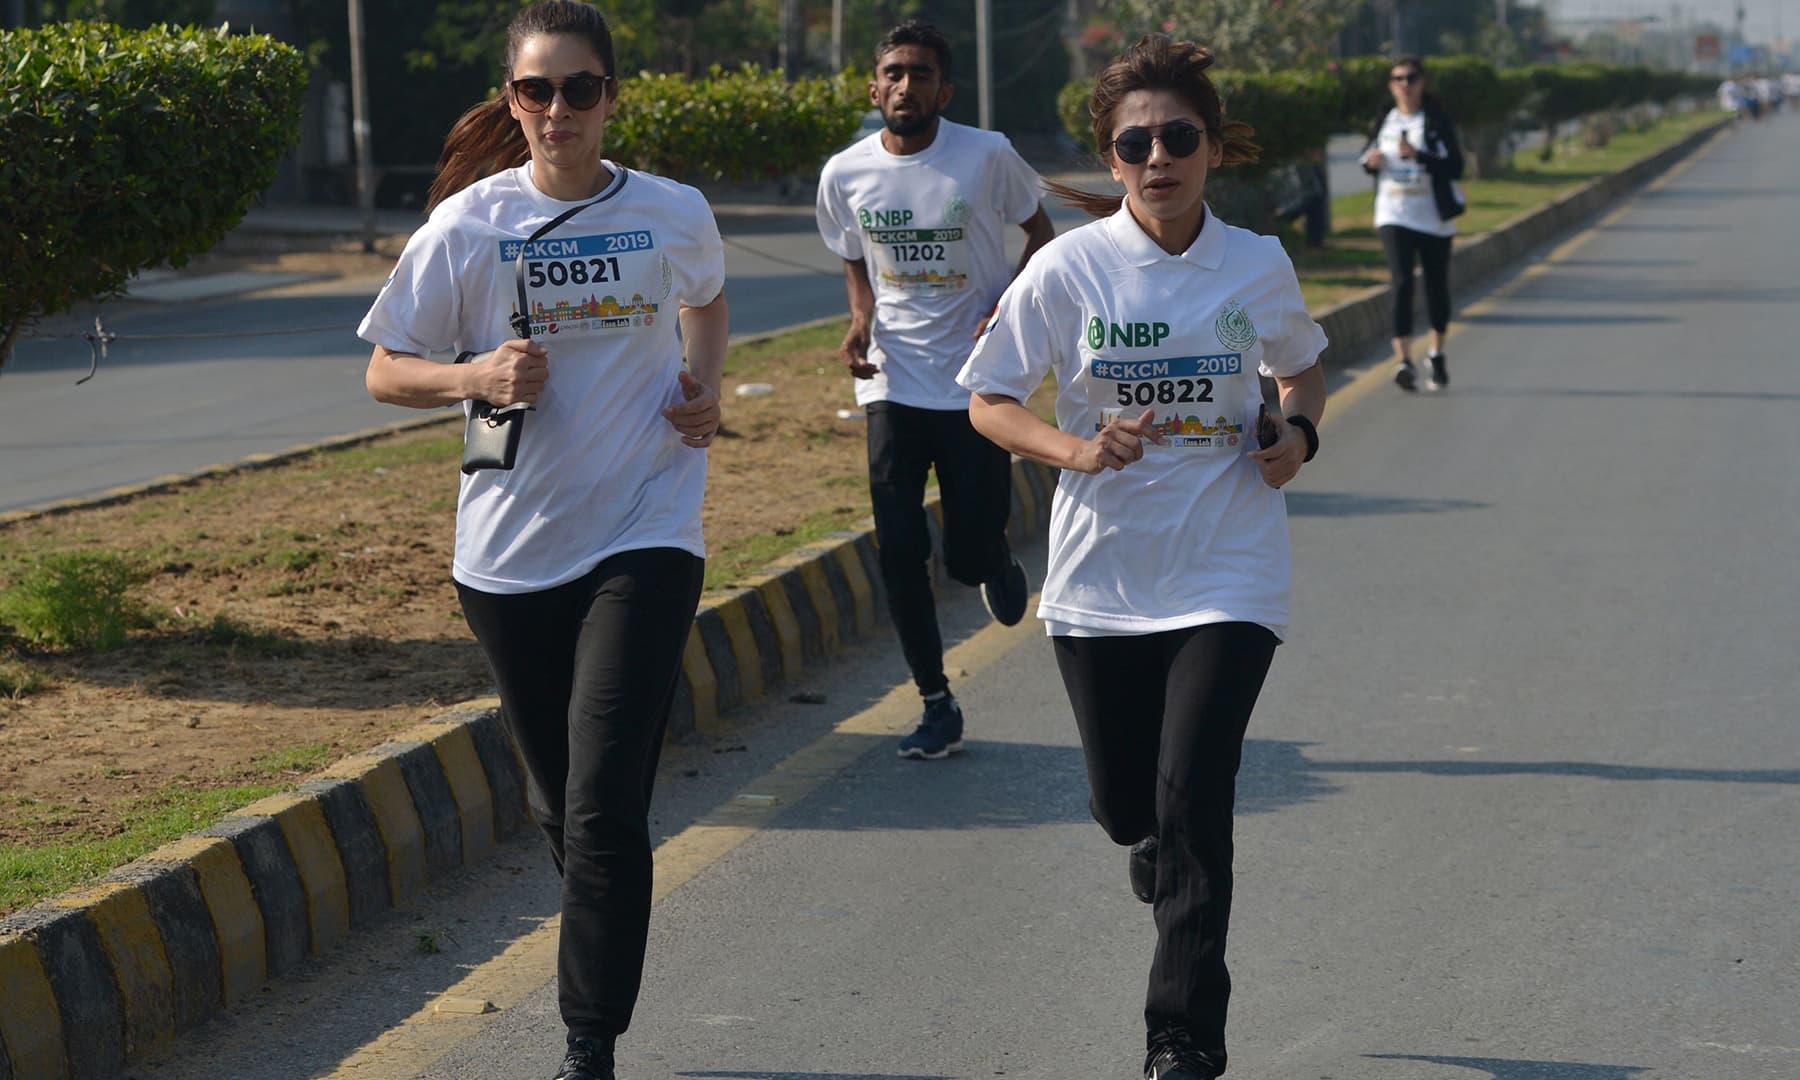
(96, 977)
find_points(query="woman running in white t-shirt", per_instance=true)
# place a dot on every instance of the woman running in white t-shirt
(1415, 158)
(580, 568)
(1167, 585)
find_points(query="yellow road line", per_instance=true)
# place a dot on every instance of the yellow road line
(1378, 374)
(412, 1045)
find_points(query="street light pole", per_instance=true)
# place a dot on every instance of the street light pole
(359, 126)
(837, 35)
(984, 62)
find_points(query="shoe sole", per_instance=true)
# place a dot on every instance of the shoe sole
(918, 753)
(1024, 603)
(1407, 381)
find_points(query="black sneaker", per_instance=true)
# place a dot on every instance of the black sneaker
(1142, 869)
(1406, 377)
(1006, 594)
(586, 1059)
(939, 733)
(1440, 373)
(1173, 1056)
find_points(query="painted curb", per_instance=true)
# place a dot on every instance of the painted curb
(94, 978)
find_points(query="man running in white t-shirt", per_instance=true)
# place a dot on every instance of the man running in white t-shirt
(918, 211)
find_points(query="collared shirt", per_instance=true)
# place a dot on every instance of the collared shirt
(1190, 534)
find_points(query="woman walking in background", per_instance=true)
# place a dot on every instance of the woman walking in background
(1415, 158)
(1167, 586)
(579, 569)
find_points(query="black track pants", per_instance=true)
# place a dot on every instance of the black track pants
(1433, 253)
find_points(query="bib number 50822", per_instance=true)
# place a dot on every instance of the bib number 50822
(559, 272)
(1165, 392)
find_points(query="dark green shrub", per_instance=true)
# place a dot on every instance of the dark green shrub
(74, 600)
(126, 149)
(747, 124)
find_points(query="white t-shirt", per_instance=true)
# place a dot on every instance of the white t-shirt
(932, 226)
(1403, 187)
(600, 470)
(1190, 534)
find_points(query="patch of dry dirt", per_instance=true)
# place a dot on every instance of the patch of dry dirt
(311, 603)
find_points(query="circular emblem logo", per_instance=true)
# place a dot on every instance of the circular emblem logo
(1234, 328)
(1096, 333)
(956, 212)
(862, 218)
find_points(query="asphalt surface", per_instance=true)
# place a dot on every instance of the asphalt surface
(1519, 800)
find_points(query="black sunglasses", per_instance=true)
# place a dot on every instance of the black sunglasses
(1179, 138)
(581, 92)
(1409, 77)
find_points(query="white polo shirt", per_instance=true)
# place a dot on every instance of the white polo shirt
(932, 227)
(600, 470)
(1190, 534)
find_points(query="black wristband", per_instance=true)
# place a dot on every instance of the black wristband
(1311, 433)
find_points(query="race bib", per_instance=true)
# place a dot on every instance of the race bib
(601, 284)
(1182, 390)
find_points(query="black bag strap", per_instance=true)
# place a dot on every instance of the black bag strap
(521, 322)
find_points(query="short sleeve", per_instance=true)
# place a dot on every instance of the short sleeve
(837, 225)
(418, 309)
(1019, 346)
(1295, 341)
(698, 261)
(1016, 185)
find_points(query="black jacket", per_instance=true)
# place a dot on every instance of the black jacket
(1441, 156)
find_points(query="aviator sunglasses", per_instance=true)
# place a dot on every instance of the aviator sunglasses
(581, 92)
(1179, 138)
(1409, 77)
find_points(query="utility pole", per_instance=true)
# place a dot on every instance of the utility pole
(837, 35)
(359, 126)
(984, 62)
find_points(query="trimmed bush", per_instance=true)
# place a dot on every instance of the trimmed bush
(127, 149)
(747, 124)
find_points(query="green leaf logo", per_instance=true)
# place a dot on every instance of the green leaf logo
(1096, 333)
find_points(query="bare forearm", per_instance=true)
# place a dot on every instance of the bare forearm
(1304, 394)
(704, 332)
(859, 292)
(1038, 232)
(1008, 424)
(398, 378)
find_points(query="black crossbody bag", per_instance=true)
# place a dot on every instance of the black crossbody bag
(491, 434)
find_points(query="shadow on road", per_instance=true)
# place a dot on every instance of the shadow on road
(1515, 1069)
(1342, 504)
(812, 1076)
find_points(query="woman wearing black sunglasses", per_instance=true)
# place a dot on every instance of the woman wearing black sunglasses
(579, 570)
(1167, 587)
(1414, 156)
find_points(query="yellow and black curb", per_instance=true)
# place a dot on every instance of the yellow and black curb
(99, 976)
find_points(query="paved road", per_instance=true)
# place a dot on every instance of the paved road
(1519, 801)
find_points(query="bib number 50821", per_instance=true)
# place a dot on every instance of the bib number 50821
(559, 272)
(1165, 392)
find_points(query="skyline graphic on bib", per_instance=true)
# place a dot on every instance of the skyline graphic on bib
(928, 280)
(1188, 431)
(594, 313)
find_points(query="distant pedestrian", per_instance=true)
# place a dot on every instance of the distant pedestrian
(919, 211)
(579, 570)
(1416, 160)
(1167, 587)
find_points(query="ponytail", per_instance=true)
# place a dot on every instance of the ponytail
(484, 141)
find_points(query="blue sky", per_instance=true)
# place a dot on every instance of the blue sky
(1764, 20)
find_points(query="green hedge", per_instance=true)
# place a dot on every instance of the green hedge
(747, 124)
(126, 149)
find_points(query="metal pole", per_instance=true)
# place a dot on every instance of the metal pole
(837, 35)
(359, 126)
(984, 62)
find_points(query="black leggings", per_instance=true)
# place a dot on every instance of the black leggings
(1400, 244)
(975, 488)
(586, 673)
(1162, 719)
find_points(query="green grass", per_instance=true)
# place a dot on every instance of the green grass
(19, 679)
(29, 874)
(726, 567)
(293, 759)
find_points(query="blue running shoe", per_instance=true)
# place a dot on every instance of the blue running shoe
(939, 733)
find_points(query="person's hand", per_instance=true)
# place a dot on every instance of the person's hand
(855, 351)
(697, 415)
(515, 373)
(1119, 443)
(1406, 147)
(1281, 462)
(1374, 158)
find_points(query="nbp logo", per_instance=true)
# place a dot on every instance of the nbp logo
(862, 218)
(1131, 335)
(883, 219)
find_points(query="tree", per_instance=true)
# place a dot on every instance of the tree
(127, 149)
(1247, 35)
